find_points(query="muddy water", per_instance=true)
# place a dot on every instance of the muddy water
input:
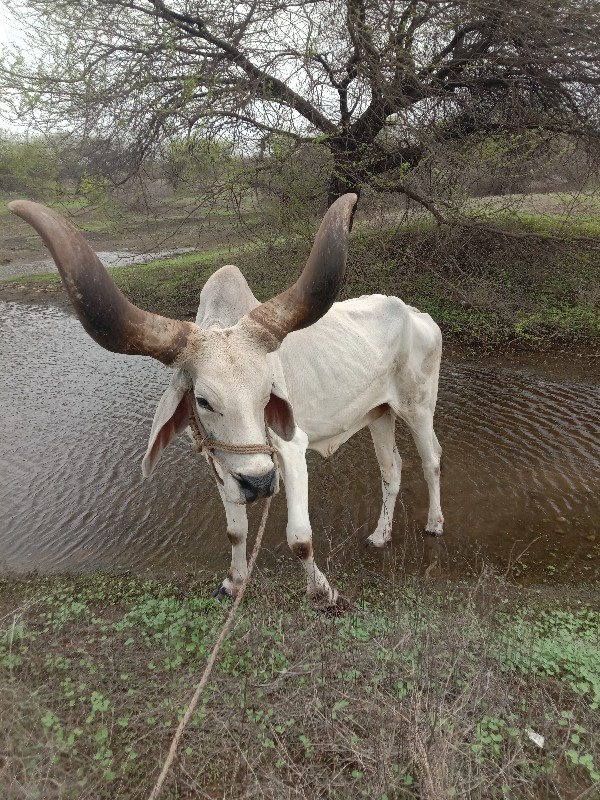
(110, 258)
(520, 478)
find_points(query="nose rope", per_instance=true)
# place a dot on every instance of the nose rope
(207, 445)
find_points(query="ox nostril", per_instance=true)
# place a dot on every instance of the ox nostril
(253, 486)
(248, 489)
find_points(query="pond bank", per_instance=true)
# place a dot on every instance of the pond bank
(577, 357)
(503, 288)
(110, 259)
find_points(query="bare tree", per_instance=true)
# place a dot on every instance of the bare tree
(382, 86)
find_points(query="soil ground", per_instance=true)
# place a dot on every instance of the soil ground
(422, 690)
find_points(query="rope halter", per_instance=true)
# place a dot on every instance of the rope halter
(204, 444)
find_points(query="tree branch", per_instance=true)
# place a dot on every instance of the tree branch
(271, 85)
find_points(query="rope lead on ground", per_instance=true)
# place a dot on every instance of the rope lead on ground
(213, 657)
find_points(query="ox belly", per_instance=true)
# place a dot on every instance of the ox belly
(342, 372)
(327, 447)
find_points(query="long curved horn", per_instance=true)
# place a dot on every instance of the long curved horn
(103, 310)
(318, 286)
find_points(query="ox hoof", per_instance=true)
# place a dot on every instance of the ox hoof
(377, 545)
(336, 608)
(333, 607)
(222, 592)
(433, 533)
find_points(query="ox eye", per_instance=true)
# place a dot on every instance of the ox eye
(203, 403)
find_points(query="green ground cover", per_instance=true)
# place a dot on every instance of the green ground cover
(420, 690)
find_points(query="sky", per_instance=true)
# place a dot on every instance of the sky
(9, 33)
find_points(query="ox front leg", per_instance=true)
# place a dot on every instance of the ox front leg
(421, 427)
(237, 532)
(292, 457)
(390, 464)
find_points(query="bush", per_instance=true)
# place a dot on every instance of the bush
(27, 165)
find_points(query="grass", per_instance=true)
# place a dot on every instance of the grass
(571, 227)
(191, 260)
(484, 288)
(98, 226)
(34, 279)
(422, 690)
(170, 286)
(581, 226)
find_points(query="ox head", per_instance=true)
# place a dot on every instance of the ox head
(226, 373)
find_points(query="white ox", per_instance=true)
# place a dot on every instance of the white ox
(314, 371)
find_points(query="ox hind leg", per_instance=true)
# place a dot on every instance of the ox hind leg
(390, 464)
(421, 427)
(237, 532)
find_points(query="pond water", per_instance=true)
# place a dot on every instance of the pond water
(519, 483)
(110, 258)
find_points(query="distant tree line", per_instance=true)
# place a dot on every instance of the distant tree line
(399, 96)
(49, 165)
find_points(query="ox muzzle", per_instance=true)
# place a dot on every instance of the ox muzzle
(253, 487)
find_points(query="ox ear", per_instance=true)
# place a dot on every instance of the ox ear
(280, 417)
(278, 413)
(171, 418)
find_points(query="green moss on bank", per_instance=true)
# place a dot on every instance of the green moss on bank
(568, 227)
(412, 693)
(169, 286)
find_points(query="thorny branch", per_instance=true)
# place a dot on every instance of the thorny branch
(381, 86)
